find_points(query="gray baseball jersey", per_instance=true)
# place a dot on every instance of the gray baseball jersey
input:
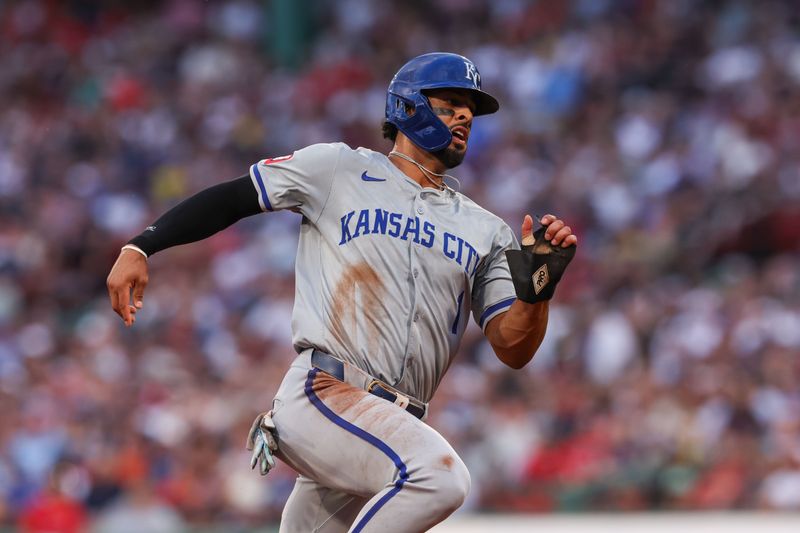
(387, 271)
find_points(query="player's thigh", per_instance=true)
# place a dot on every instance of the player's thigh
(350, 440)
(313, 507)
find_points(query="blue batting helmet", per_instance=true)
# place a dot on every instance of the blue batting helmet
(437, 70)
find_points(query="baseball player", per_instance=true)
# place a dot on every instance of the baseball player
(390, 264)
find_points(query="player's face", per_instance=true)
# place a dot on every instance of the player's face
(456, 109)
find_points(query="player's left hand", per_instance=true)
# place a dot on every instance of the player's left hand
(556, 232)
(537, 268)
(261, 440)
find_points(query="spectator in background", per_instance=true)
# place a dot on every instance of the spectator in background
(52, 510)
(139, 512)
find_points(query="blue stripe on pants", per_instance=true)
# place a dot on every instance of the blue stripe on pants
(360, 433)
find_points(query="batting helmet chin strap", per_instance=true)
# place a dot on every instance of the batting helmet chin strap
(408, 108)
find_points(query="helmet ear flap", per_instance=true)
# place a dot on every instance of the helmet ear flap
(401, 107)
(421, 125)
(395, 109)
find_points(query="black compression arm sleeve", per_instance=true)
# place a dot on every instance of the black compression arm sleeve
(201, 215)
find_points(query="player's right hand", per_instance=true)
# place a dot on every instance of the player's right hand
(261, 440)
(128, 275)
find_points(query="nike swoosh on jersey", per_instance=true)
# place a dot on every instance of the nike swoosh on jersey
(367, 177)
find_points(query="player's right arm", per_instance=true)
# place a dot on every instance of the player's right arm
(300, 182)
(196, 218)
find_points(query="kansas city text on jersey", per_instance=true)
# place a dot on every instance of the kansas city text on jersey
(400, 226)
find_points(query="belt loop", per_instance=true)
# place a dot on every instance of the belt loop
(402, 401)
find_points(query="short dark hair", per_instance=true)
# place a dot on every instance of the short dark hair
(389, 131)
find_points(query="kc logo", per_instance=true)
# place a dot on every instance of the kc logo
(472, 74)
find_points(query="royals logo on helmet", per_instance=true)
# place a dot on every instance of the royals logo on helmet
(472, 74)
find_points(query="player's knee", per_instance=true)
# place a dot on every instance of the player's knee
(452, 484)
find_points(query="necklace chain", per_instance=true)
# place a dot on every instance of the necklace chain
(427, 173)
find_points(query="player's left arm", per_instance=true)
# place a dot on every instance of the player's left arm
(516, 334)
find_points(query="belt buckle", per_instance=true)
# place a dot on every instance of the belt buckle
(372, 384)
(399, 399)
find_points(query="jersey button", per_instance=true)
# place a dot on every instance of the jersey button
(416, 272)
(416, 317)
(420, 210)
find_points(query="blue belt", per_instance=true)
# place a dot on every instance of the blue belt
(335, 368)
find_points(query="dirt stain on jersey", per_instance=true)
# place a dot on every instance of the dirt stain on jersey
(447, 462)
(358, 293)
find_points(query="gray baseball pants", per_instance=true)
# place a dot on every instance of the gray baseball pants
(365, 464)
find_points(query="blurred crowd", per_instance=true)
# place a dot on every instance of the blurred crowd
(666, 132)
